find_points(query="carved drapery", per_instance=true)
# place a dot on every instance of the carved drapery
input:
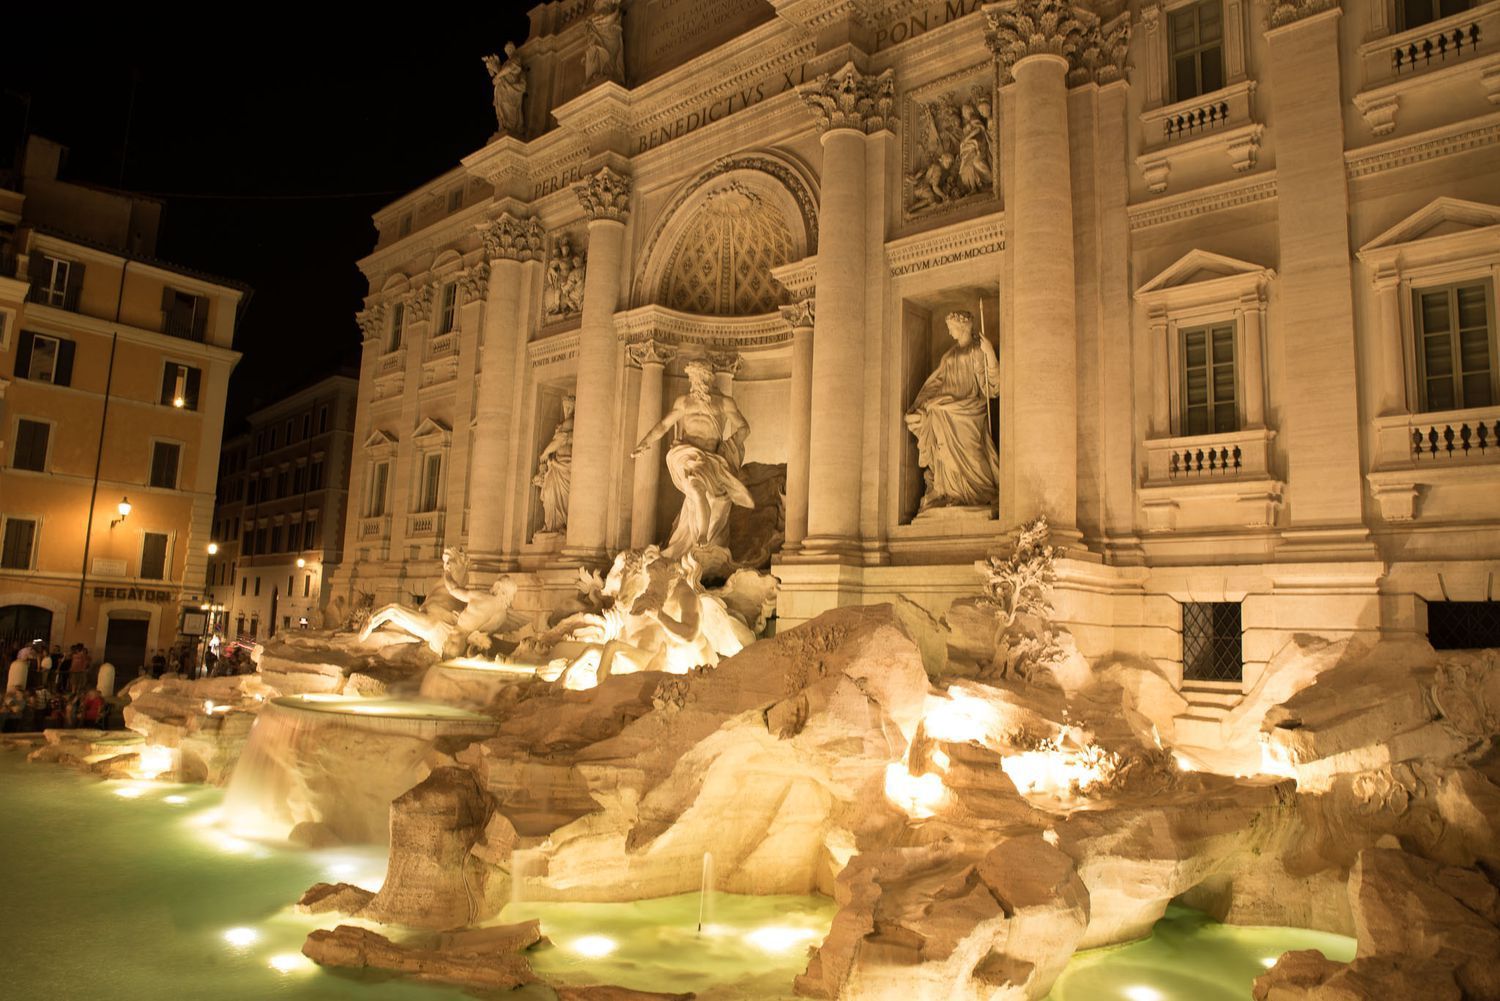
(605, 195)
(512, 239)
(849, 99)
(1095, 50)
(1288, 11)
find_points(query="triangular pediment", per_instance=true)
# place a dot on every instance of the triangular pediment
(1199, 266)
(380, 439)
(432, 428)
(1444, 216)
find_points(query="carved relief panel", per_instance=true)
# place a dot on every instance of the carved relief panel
(949, 151)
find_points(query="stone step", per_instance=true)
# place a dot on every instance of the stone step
(1198, 694)
(1196, 730)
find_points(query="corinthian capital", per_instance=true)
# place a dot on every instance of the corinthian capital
(1021, 28)
(419, 303)
(371, 321)
(512, 239)
(475, 282)
(1101, 58)
(849, 99)
(799, 314)
(605, 195)
(650, 352)
(1287, 11)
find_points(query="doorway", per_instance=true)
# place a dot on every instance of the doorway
(25, 623)
(125, 644)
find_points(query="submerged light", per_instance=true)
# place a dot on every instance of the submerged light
(289, 962)
(153, 761)
(241, 937)
(594, 946)
(780, 938)
(1140, 992)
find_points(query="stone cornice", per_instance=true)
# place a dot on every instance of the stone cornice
(676, 328)
(1289, 11)
(1230, 194)
(508, 238)
(798, 277)
(849, 99)
(604, 195)
(949, 244)
(1432, 144)
(551, 350)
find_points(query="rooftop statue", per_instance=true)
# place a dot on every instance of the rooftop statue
(554, 471)
(509, 79)
(708, 446)
(951, 420)
(604, 46)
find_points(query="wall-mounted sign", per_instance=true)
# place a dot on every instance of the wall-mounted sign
(102, 567)
(133, 594)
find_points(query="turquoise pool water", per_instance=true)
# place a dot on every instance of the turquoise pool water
(129, 891)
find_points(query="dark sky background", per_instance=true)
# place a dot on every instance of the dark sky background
(271, 145)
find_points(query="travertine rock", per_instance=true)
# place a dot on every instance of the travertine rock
(359, 948)
(345, 898)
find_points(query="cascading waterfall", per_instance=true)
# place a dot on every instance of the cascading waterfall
(706, 892)
(335, 761)
(521, 859)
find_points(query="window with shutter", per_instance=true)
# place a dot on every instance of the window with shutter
(16, 550)
(398, 325)
(31, 445)
(1456, 346)
(1209, 380)
(184, 315)
(432, 475)
(322, 419)
(379, 474)
(164, 460)
(450, 302)
(154, 556)
(1415, 13)
(55, 282)
(179, 386)
(1196, 39)
(310, 534)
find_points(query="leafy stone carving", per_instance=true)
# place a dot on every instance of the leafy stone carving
(849, 99)
(419, 304)
(1024, 28)
(371, 321)
(1102, 56)
(650, 352)
(475, 282)
(605, 195)
(1288, 11)
(513, 239)
(800, 314)
(1020, 588)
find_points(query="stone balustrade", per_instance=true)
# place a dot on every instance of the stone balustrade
(424, 525)
(1451, 437)
(1211, 481)
(375, 527)
(1189, 459)
(1459, 45)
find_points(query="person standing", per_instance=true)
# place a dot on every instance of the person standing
(80, 673)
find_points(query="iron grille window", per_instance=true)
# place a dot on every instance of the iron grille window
(1211, 647)
(1463, 625)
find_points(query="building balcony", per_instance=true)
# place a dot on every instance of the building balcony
(424, 525)
(375, 527)
(1213, 481)
(1427, 455)
(1458, 51)
(1220, 124)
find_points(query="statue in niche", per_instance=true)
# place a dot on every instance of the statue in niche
(509, 79)
(604, 44)
(554, 471)
(564, 295)
(951, 420)
(708, 445)
(952, 158)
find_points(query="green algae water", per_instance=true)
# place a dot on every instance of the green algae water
(1188, 957)
(131, 891)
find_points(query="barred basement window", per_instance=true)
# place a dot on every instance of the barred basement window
(1463, 625)
(1211, 641)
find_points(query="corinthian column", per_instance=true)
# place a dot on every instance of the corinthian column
(800, 317)
(605, 198)
(651, 357)
(510, 245)
(1035, 43)
(849, 106)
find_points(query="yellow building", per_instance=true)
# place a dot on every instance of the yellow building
(113, 372)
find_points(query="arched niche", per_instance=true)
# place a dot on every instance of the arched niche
(713, 247)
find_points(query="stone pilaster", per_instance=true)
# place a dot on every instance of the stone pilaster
(1318, 416)
(605, 197)
(849, 106)
(1392, 399)
(512, 247)
(652, 358)
(800, 316)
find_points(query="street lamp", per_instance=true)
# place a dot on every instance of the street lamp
(213, 548)
(124, 508)
(301, 563)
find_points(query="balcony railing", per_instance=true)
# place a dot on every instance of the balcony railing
(1197, 458)
(375, 527)
(1431, 46)
(424, 524)
(1420, 53)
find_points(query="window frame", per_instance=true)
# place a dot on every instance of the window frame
(396, 333)
(36, 534)
(51, 427)
(1174, 91)
(1184, 407)
(447, 309)
(166, 555)
(1401, 24)
(31, 374)
(377, 505)
(157, 443)
(50, 294)
(1415, 292)
(434, 503)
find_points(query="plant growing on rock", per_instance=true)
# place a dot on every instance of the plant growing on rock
(1020, 588)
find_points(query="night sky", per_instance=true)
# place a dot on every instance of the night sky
(271, 144)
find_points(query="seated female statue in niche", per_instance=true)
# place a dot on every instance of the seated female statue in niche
(951, 420)
(554, 472)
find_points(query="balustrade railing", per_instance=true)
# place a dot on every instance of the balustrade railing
(1195, 121)
(1449, 43)
(1210, 461)
(1456, 440)
(375, 527)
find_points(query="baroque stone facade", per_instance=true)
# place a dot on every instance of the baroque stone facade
(1241, 294)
